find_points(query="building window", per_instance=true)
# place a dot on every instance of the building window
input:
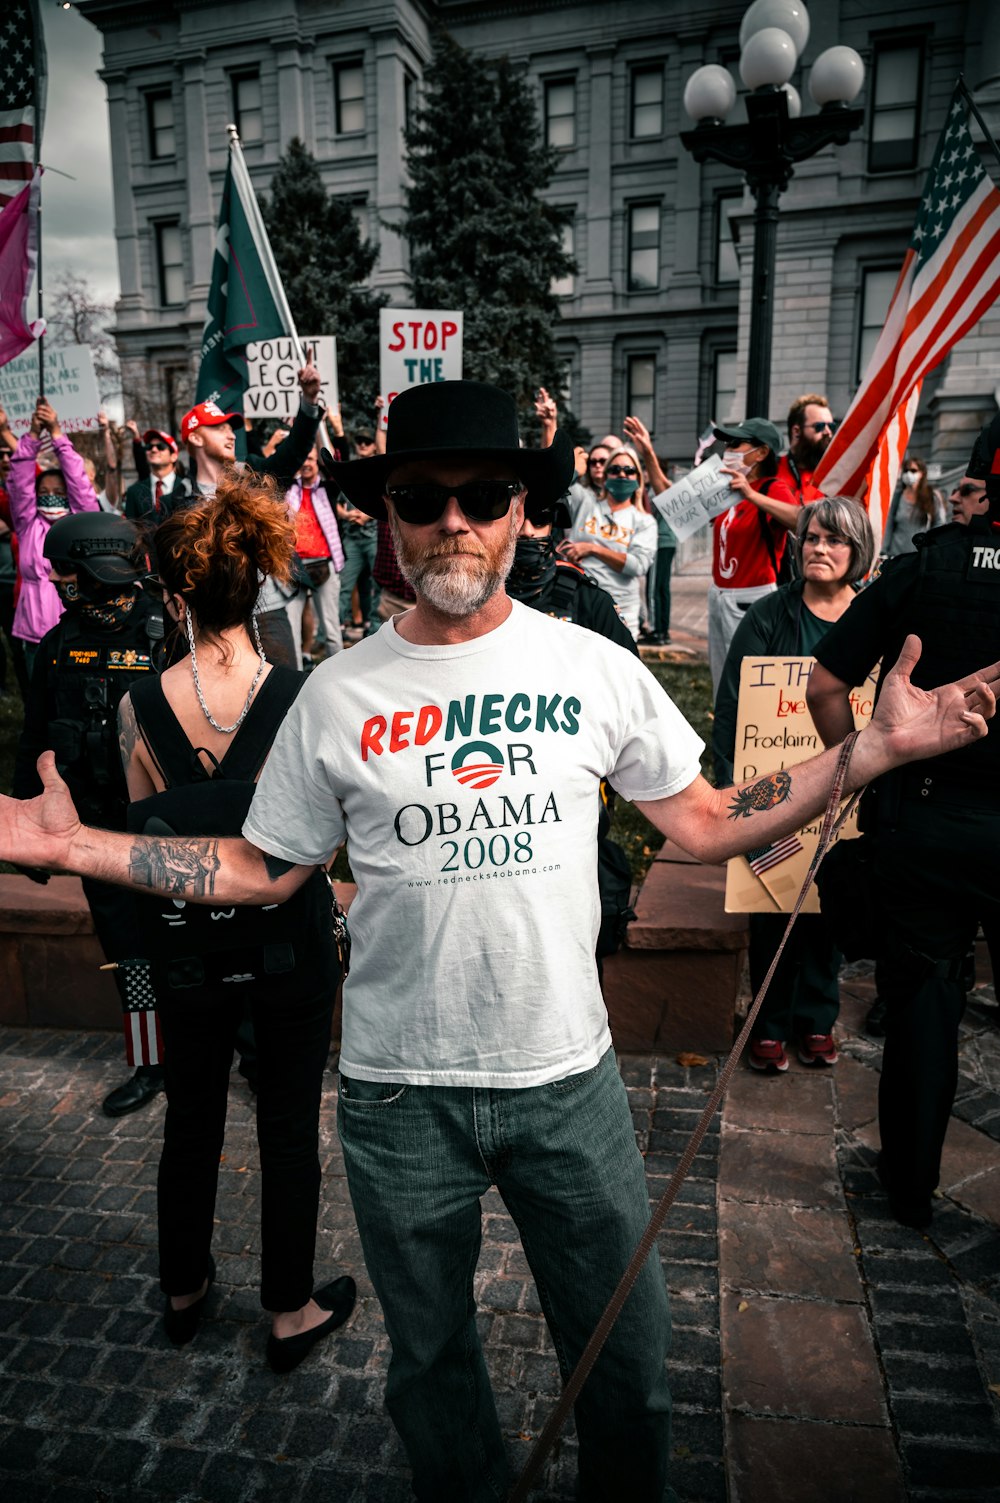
(723, 386)
(160, 119)
(409, 98)
(646, 112)
(170, 264)
(248, 111)
(643, 247)
(349, 98)
(727, 266)
(564, 286)
(895, 97)
(560, 113)
(877, 287)
(640, 398)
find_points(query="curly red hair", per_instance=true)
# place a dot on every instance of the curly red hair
(215, 552)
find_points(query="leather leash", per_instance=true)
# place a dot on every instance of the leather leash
(829, 829)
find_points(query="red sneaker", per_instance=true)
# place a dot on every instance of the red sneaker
(818, 1049)
(768, 1055)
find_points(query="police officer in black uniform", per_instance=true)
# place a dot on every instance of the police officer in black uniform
(108, 637)
(935, 825)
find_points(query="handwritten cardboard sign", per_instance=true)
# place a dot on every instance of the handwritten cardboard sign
(696, 498)
(774, 730)
(417, 345)
(273, 370)
(70, 387)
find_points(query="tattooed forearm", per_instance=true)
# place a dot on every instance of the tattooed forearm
(181, 866)
(128, 731)
(275, 867)
(766, 794)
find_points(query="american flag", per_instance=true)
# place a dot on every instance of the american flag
(763, 857)
(22, 94)
(950, 276)
(143, 1040)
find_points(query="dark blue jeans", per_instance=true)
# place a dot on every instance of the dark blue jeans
(564, 1159)
(360, 544)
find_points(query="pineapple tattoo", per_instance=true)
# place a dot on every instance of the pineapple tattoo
(767, 794)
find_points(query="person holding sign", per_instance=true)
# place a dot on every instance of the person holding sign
(834, 546)
(748, 541)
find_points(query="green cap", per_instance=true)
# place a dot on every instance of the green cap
(751, 431)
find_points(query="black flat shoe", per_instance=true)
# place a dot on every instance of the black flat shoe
(286, 1352)
(181, 1325)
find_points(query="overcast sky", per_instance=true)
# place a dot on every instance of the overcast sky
(77, 216)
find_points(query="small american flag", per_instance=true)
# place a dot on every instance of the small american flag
(143, 1040)
(765, 856)
(950, 276)
(22, 94)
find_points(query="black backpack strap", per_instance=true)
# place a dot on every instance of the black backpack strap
(765, 528)
(161, 731)
(252, 742)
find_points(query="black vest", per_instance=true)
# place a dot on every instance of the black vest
(954, 608)
(91, 671)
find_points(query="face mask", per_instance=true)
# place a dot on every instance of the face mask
(733, 460)
(620, 489)
(533, 568)
(911, 477)
(52, 505)
(109, 611)
(68, 591)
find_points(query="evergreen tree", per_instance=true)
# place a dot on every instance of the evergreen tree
(324, 264)
(482, 239)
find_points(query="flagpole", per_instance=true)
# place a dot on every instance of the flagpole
(245, 187)
(37, 95)
(962, 88)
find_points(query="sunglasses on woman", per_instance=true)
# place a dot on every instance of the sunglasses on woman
(480, 500)
(627, 470)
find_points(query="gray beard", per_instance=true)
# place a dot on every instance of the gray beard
(459, 586)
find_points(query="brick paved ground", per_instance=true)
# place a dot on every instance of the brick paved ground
(842, 1357)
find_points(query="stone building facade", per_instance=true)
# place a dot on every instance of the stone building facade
(655, 319)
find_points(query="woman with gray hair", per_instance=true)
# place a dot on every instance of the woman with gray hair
(834, 546)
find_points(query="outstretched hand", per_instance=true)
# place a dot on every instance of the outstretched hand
(915, 724)
(40, 831)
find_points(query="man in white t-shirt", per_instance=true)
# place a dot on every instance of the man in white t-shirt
(459, 752)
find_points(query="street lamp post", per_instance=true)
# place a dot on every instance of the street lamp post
(766, 149)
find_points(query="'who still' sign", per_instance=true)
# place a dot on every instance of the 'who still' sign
(417, 345)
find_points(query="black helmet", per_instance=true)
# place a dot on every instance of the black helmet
(99, 544)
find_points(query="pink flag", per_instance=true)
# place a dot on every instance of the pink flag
(18, 258)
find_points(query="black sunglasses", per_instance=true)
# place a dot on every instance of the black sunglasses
(617, 469)
(155, 445)
(830, 427)
(480, 500)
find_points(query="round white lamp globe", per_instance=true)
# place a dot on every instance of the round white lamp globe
(790, 15)
(794, 101)
(710, 93)
(769, 57)
(837, 76)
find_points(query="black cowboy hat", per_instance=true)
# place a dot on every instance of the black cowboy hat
(453, 420)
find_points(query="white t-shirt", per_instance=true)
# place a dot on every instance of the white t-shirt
(465, 778)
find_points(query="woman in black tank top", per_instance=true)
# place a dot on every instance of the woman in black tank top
(193, 744)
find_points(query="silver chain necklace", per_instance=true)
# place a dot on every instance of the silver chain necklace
(226, 730)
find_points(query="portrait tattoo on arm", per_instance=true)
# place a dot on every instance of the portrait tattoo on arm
(768, 793)
(180, 866)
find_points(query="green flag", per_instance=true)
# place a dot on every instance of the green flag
(242, 302)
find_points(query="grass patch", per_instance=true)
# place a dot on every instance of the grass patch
(690, 687)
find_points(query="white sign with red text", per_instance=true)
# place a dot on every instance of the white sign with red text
(70, 387)
(417, 345)
(272, 367)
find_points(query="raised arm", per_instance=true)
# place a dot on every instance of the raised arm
(909, 725)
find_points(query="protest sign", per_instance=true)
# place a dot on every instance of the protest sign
(696, 498)
(70, 387)
(774, 730)
(272, 370)
(417, 345)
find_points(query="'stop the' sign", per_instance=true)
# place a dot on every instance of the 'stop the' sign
(417, 345)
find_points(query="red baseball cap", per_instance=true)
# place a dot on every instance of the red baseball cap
(207, 415)
(166, 438)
